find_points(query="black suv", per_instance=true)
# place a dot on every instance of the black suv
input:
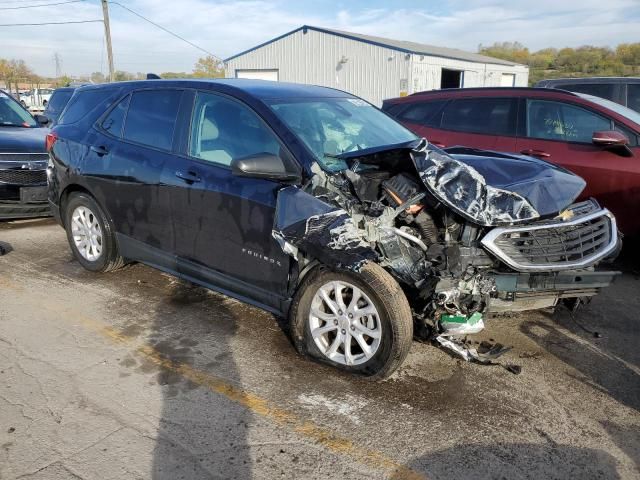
(622, 90)
(23, 161)
(313, 204)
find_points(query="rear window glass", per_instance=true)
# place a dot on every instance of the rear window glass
(152, 117)
(488, 116)
(59, 100)
(82, 102)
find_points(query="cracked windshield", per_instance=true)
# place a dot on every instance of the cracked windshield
(331, 127)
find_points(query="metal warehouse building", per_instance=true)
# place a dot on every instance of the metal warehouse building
(373, 68)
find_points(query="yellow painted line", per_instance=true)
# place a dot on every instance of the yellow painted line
(257, 405)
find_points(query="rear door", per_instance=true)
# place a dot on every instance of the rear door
(561, 133)
(223, 222)
(485, 123)
(132, 146)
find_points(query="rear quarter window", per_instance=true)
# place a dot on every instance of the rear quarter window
(83, 102)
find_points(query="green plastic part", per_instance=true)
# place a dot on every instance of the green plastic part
(460, 319)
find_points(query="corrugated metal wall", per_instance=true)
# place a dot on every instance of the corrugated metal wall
(426, 73)
(368, 71)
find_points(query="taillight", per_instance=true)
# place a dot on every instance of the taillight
(50, 140)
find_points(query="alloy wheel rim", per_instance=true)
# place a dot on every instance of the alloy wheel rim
(86, 233)
(345, 324)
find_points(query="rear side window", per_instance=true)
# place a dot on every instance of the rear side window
(423, 113)
(560, 121)
(151, 117)
(82, 103)
(602, 90)
(114, 121)
(489, 116)
(633, 96)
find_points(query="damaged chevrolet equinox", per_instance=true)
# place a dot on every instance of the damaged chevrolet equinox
(315, 205)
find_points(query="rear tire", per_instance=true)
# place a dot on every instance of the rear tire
(358, 322)
(90, 234)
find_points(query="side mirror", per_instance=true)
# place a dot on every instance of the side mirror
(42, 119)
(262, 165)
(612, 140)
(609, 138)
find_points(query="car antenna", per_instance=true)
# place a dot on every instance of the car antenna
(153, 76)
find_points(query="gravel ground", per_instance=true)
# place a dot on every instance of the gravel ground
(135, 374)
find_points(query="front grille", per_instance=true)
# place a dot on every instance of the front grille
(23, 177)
(579, 242)
(23, 157)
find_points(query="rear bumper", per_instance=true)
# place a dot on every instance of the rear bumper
(531, 291)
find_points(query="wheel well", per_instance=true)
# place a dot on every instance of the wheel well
(65, 197)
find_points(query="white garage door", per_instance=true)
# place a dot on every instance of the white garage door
(508, 80)
(258, 74)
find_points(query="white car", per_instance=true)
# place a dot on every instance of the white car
(38, 98)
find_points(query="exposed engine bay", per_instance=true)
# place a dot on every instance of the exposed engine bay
(459, 244)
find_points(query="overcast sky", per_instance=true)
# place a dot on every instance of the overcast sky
(228, 27)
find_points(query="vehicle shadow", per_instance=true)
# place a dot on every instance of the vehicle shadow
(520, 460)
(600, 341)
(201, 433)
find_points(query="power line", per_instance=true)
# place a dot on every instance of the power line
(40, 5)
(5, 2)
(45, 23)
(167, 30)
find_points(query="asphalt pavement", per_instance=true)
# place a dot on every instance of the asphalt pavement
(136, 374)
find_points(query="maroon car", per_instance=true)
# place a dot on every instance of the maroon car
(593, 137)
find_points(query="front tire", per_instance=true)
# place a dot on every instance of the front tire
(90, 234)
(358, 322)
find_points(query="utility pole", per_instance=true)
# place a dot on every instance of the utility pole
(58, 61)
(107, 34)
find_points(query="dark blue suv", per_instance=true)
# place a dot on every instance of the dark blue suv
(313, 204)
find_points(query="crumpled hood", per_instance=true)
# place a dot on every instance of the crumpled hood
(491, 188)
(547, 187)
(22, 139)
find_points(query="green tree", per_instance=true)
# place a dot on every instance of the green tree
(98, 77)
(122, 76)
(208, 67)
(15, 71)
(63, 81)
(512, 51)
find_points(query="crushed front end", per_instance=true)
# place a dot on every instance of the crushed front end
(465, 233)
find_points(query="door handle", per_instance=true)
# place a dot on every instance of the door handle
(535, 153)
(188, 177)
(99, 150)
